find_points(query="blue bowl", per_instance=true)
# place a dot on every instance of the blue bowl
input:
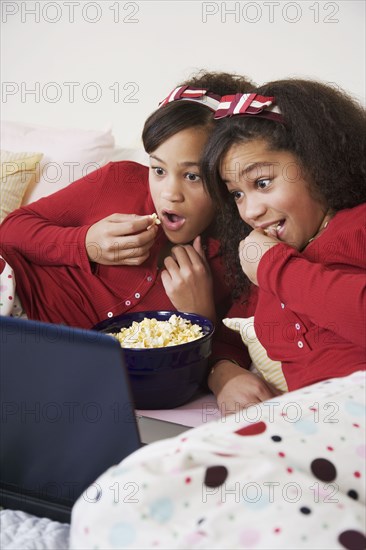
(164, 378)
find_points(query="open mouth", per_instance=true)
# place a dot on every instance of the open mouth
(171, 220)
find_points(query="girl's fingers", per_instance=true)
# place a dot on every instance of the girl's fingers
(171, 266)
(187, 255)
(130, 224)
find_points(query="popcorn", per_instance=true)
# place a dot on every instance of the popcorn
(155, 220)
(151, 333)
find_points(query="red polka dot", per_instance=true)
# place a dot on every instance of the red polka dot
(188, 480)
(277, 530)
(10, 297)
(357, 474)
(330, 448)
(10, 276)
(356, 425)
(252, 429)
(86, 530)
(224, 454)
(281, 454)
(313, 409)
(290, 470)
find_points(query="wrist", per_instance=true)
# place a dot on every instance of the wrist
(219, 372)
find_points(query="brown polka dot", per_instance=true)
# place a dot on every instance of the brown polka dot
(352, 540)
(215, 476)
(323, 469)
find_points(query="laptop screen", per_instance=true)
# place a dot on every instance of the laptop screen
(67, 414)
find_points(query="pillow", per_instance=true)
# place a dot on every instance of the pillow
(68, 154)
(18, 172)
(268, 369)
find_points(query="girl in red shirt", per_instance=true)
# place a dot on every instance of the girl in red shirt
(287, 166)
(92, 250)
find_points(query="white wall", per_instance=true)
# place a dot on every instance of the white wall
(132, 54)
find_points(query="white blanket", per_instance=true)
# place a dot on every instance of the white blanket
(288, 473)
(21, 531)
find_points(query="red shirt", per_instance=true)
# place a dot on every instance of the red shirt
(311, 310)
(45, 245)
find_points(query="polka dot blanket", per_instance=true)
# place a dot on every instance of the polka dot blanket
(288, 473)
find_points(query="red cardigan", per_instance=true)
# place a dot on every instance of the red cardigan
(311, 310)
(45, 245)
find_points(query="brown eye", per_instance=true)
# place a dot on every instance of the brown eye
(192, 177)
(237, 195)
(158, 171)
(263, 183)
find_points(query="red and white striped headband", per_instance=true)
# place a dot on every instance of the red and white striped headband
(197, 95)
(248, 104)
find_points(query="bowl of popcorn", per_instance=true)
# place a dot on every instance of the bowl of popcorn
(166, 354)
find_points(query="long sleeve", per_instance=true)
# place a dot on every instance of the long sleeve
(52, 230)
(311, 311)
(329, 295)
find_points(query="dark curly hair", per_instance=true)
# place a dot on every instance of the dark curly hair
(180, 115)
(323, 127)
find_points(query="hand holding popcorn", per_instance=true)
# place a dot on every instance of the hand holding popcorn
(121, 239)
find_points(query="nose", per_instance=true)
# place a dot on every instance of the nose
(252, 208)
(172, 189)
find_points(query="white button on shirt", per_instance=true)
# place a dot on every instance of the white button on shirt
(127, 302)
(149, 279)
(110, 314)
(283, 306)
(297, 326)
(137, 295)
(300, 344)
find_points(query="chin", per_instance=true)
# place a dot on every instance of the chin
(176, 239)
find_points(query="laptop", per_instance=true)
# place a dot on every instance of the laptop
(67, 414)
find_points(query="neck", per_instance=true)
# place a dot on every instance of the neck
(324, 223)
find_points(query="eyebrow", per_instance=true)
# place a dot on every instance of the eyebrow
(248, 169)
(185, 163)
(256, 165)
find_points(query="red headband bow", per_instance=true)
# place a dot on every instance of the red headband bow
(248, 104)
(197, 95)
